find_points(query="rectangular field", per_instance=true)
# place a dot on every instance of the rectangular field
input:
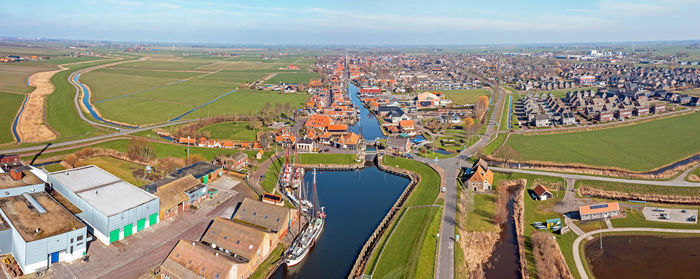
(296, 77)
(105, 84)
(636, 147)
(465, 96)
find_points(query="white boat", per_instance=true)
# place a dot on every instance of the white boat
(310, 234)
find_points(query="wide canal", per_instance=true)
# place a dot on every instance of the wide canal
(355, 202)
(368, 125)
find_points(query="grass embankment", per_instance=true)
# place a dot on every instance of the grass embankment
(266, 266)
(636, 147)
(9, 105)
(466, 96)
(480, 216)
(495, 144)
(409, 251)
(233, 130)
(639, 188)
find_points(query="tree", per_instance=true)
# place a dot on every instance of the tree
(256, 123)
(140, 150)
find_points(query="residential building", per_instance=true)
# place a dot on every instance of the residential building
(112, 208)
(542, 120)
(568, 118)
(599, 211)
(481, 179)
(542, 193)
(305, 145)
(427, 100)
(177, 194)
(658, 109)
(398, 144)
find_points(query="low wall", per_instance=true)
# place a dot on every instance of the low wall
(371, 243)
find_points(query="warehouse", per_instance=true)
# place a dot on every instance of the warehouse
(38, 231)
(177, 194)
(112, 208)
(203, 171)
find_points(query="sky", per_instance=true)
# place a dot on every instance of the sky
(357, 22)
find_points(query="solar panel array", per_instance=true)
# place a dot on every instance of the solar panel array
(597, 206)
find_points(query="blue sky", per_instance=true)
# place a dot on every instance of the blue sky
(353, 22)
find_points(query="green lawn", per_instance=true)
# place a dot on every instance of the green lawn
(428, 250)
(232, 130)
(429, 186)
(495, 144)
(401, 255)
(480, 217)
(294, 77)
(636, 147)
(639, 188)
(466, 96)
(9, 105)
(119, 168)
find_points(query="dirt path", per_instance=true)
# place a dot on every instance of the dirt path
(32, 126)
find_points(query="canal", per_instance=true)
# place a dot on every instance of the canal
(355, 202)
(368, 125)
(505, 260)
(641, 257)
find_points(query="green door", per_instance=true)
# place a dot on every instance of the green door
(140, 225)
(128, 229)
(206, 179)
(113, 235)
(152, 219)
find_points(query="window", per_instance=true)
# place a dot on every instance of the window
(71, 241)
(80, 238)
(71, 249)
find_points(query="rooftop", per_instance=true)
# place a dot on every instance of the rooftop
(262, 215)
(102, 190)
(238, 239)
(599, 208)
(173, 193)
(27, 218)
(6, 182)
(197, 169)
(196, 260)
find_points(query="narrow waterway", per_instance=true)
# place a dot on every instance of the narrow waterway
(642, 257)
(505, 260)
(355, 202)
(368, 125)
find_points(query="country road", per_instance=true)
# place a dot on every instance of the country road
(677, 182)
(577, 254)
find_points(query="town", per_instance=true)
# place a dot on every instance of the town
(375, 140)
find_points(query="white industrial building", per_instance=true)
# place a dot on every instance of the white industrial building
(112, 208)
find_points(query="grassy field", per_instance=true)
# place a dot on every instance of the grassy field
(9, 105)
(696, 173)
(13, 76)
(231, 130)
(406, 253)
(61, 113)
(119, 168)
(401, 255)
(109, 83)
(636, 147)
(480, 218)
(495, 144)
(466, 96)
(294, 77)
(639, 188)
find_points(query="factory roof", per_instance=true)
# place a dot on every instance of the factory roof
(195, 260)
(236, 238)
(36, 216)
(102, 190)
(28, 178)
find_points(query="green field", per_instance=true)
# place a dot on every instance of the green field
(231, 130)
(407, 252)
(466, 96)
(9, 105)
(480, 217)
(294, 77)
(401, 255)
(108, 83)
(636, 147)
(119, 168)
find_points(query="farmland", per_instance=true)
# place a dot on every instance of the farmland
(231, 130)
(9, 104)
(465, 96)
(636, 147)
(159, 89)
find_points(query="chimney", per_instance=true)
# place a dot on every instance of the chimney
(16, 174)
(37, 230)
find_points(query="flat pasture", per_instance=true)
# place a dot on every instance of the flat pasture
(465, 96)
(295, 77)
(9, 104)
(231, 130)
(249, 102)
(636, 147)
(105, 85)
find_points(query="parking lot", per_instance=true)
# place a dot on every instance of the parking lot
(672, 215)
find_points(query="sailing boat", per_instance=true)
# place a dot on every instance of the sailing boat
(306, 240)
